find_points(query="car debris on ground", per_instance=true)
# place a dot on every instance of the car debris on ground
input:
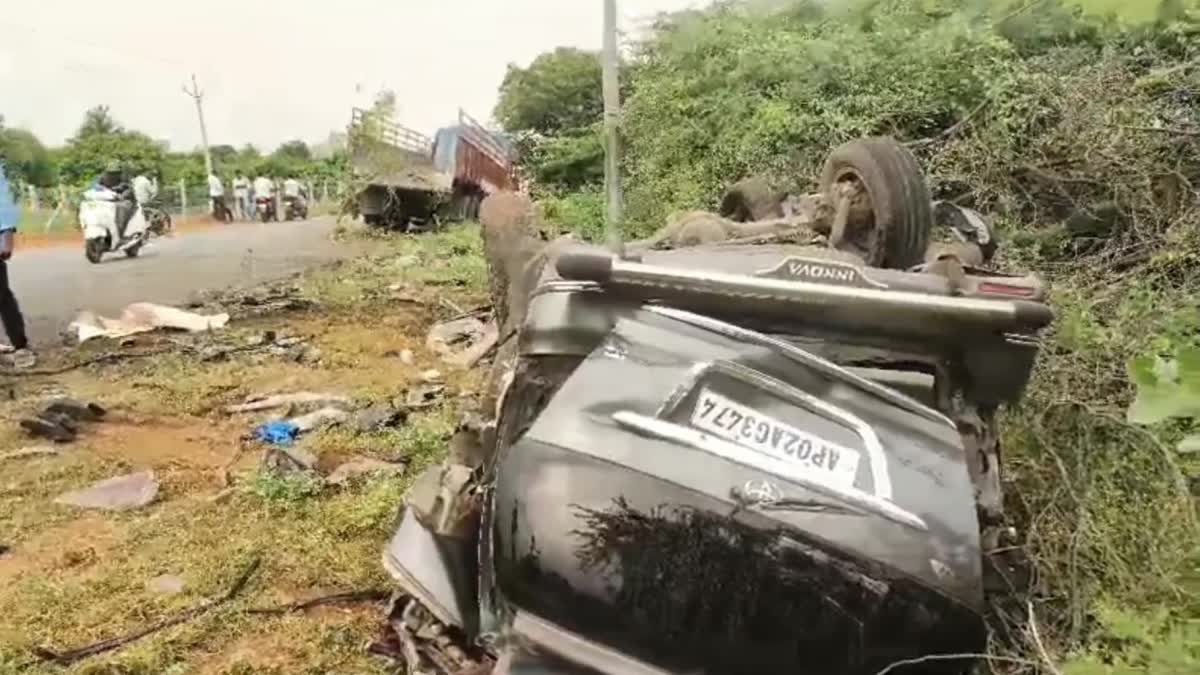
(465, 340)
(358, 467)
(60, 420)
(142, 317)
(121, 493)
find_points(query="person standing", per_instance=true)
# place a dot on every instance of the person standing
(216, 192)
(265, 189)
(241, 197)
(10, 311)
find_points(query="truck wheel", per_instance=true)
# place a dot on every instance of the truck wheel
(93, 250)
(891, 212)
(751, 199)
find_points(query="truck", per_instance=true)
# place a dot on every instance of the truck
(406, 179)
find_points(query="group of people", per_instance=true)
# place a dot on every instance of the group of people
(246, 193)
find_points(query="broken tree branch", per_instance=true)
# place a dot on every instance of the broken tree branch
(72, 655)
(335, 599)
(954, 129)
(103, 358)
(1163, 130)
(955, 657)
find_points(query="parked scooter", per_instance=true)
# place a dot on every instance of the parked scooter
(264, 208)
(98, 217)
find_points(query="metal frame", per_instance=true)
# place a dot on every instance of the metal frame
(803, 357)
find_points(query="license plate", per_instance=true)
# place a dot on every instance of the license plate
(823, 460)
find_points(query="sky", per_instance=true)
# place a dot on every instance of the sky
(272, 71)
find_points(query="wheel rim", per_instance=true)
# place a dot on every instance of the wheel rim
(860, 234)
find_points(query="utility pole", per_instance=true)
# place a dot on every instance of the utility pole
(198, 97)
(612, 131)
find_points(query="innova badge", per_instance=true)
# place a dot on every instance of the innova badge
(816, 271)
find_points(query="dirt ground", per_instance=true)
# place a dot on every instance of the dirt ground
(69, 577)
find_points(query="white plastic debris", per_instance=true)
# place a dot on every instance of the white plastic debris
(143, 317)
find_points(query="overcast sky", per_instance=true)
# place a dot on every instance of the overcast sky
(274, 70)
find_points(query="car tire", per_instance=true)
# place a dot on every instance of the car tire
(901, 208)
(93, 250)
(749, 200)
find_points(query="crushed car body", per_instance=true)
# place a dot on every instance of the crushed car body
(732, 457)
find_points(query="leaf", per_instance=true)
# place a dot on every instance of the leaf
(1156, 403)
(1190, 444)
(1143, 371)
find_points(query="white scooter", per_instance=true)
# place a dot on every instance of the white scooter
(98, 218)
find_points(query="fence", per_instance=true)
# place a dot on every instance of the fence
(50, 209)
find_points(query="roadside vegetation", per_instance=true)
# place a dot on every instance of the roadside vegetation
(1076, 126)
(74, 577)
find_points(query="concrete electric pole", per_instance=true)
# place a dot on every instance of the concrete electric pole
(612, 129)
(198, 97)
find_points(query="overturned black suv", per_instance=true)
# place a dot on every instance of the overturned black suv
(737, 456)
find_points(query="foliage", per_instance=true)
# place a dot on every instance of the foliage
(295, 150)
(1073, 123)
(1167, 388)
(97, 121)
(559, 92)
(25, 158)
(287, 489)
(1153, 643)
(87, 154)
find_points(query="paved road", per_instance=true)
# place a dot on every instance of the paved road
(54, 284)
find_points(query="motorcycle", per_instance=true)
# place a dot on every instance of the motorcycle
(730, 458)
(264, 207)
(295, 208)
(99, 213)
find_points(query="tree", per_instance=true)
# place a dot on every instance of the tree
(97, 121)
(559, 92)
(24, 157)
(294, 150)
(225, 156)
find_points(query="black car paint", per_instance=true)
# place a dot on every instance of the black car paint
(589, 518)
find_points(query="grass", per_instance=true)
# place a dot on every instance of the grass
(74, 577)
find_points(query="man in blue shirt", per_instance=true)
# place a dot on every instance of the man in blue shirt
(10, 312)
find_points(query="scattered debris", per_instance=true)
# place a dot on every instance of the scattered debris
(30, 451)
(290, 458)
(121, 493)
(297, 399)
(142, 317)
(423, 396)
(78, 410)
(277, 432)
(72, 655)
(363, 466)
(319, 419)
(52, 428)
(407, 357)
(59, 420)
(423, 644)
(379, 416)
(431, 376)
(464, 340)
(165, 584)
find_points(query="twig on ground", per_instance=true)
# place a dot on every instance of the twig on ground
(1163, 130)
(335, 599)
(955, 657)
(453, 306)
(71, 656)
(1037, 642)
(954, 129)
(103, 358)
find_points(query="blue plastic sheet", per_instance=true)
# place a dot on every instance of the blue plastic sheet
(279, 432)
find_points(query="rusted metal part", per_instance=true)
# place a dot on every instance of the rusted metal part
(423, 645)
